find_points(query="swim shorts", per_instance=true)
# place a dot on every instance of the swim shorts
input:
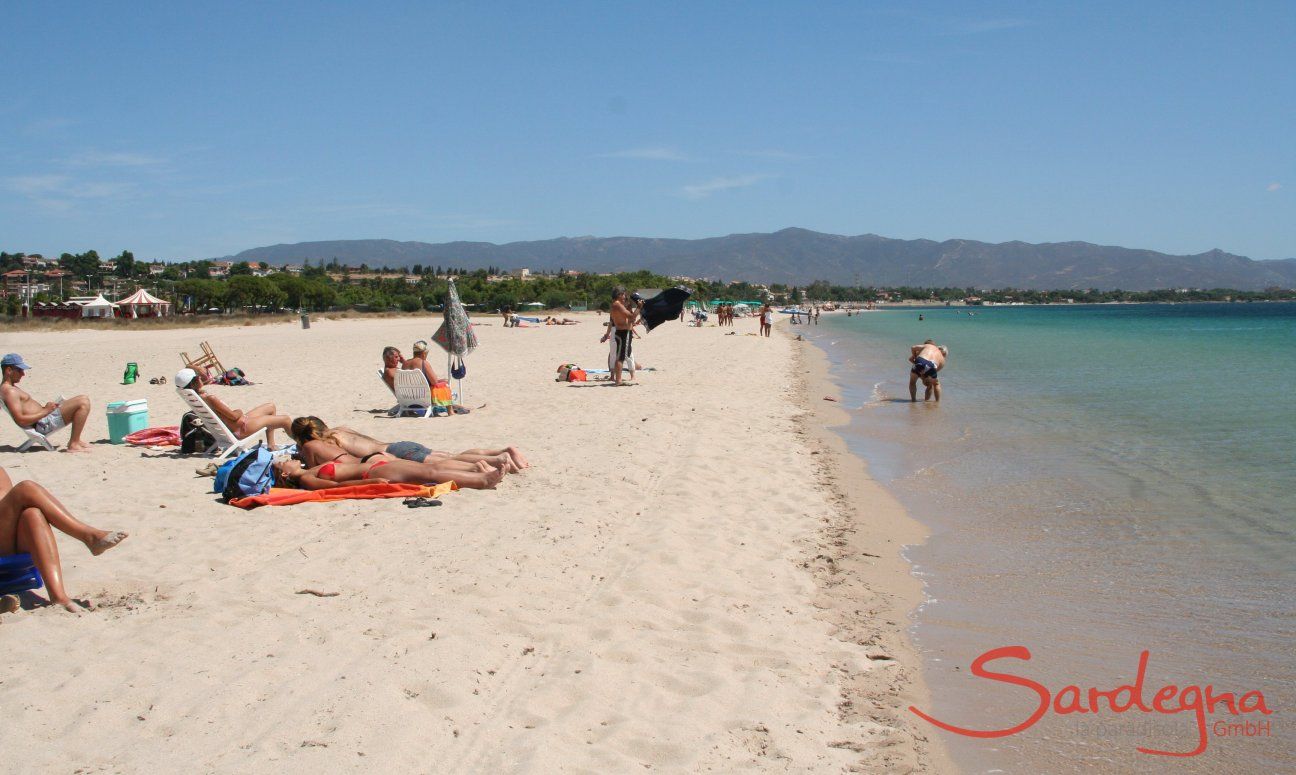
(924, 368)
(622, 345)
(50, 422)
(408, 450)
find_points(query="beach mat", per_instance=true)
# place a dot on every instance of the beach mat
(287, 496)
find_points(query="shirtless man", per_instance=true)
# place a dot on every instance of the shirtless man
(621, 330)
(927, 358)
(319, 444)
(242, 423)
(392, 360)
(419, 362)
(43, 418)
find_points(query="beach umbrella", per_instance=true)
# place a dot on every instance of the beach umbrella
(456, 336)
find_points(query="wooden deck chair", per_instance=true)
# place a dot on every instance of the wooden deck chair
(204, 364)
(34, 437)
(226, 442)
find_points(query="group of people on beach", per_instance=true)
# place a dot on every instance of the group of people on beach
(324, 458)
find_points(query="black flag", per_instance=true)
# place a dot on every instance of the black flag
(666, 305)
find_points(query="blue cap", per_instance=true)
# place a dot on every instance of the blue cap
(14, 359)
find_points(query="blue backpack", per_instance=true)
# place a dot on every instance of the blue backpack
(250, 473)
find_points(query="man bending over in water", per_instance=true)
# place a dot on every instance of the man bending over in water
(927, 358)
(43, 418)
(319, 444)
(28, 512)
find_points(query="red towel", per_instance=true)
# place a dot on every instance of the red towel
(287, 496)
(168, 436)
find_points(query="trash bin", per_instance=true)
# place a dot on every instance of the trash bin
(126, 417)
(305, 320)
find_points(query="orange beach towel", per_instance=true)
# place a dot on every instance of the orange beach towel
(287, 496)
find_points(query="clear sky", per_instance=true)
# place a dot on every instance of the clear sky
(186, 130)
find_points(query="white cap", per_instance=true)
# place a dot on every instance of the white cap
(184, 377)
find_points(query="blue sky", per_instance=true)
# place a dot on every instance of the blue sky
(181, 131)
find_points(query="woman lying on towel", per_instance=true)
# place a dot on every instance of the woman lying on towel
(28, 514)
(381, 470)
(317, 443)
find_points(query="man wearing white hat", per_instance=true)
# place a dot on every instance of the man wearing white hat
(43, 418)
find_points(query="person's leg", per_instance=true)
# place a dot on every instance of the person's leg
(514, 453)
(29, 494)
(271, 423)
(913, 385)
(437, 471)
(263, 410)
(35, 537)
(934, 389)
(76, 411)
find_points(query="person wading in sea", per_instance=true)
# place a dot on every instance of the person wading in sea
(927, 358)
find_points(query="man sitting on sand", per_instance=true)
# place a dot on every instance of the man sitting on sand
(317, 443)
(392, 362)
(927, 358)
(27, 513)
(242, 423)
(43, 418)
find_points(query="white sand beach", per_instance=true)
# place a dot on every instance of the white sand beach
(680, 582)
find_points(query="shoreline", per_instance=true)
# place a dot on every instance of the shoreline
(867, 589)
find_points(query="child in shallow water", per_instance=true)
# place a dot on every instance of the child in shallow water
(381, 469)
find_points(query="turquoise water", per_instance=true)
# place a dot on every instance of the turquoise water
(1099, 480)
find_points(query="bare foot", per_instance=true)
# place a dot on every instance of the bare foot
(106, 541)
(494, 477)
(519, 459)
(505, 462)
(78, 446)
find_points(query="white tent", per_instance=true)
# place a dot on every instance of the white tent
(98, 307)
(141, 299)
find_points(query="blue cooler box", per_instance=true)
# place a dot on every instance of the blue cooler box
(126, 417)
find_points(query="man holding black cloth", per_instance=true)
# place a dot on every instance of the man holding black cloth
(624, 313)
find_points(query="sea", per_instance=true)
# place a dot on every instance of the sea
(1100, 482)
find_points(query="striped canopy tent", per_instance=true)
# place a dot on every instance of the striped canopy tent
(142, 304)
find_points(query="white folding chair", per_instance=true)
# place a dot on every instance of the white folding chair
(413, 394)
(34, 437)
(226, 442)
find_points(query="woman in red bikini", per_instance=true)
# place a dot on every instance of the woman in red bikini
(380, 469)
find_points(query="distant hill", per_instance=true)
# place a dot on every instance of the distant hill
(799, 256)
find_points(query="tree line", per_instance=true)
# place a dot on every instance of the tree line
(328, 285)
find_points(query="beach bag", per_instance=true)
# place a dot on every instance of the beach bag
(194, 437)
(577, 375)
(564, 370)
(251, 473)
(457, 368)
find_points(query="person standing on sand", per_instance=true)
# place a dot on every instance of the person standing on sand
(28, 512)
(927, 358)
(621, 331)
(46, 418)
(766, 319)
(816, 316)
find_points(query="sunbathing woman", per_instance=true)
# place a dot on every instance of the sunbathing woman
(319, 444)
(241, 423)
(382, 471)
(27, 514)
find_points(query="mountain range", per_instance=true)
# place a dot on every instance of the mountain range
(799, 256)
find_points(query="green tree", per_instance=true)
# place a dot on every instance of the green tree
(125, 264)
